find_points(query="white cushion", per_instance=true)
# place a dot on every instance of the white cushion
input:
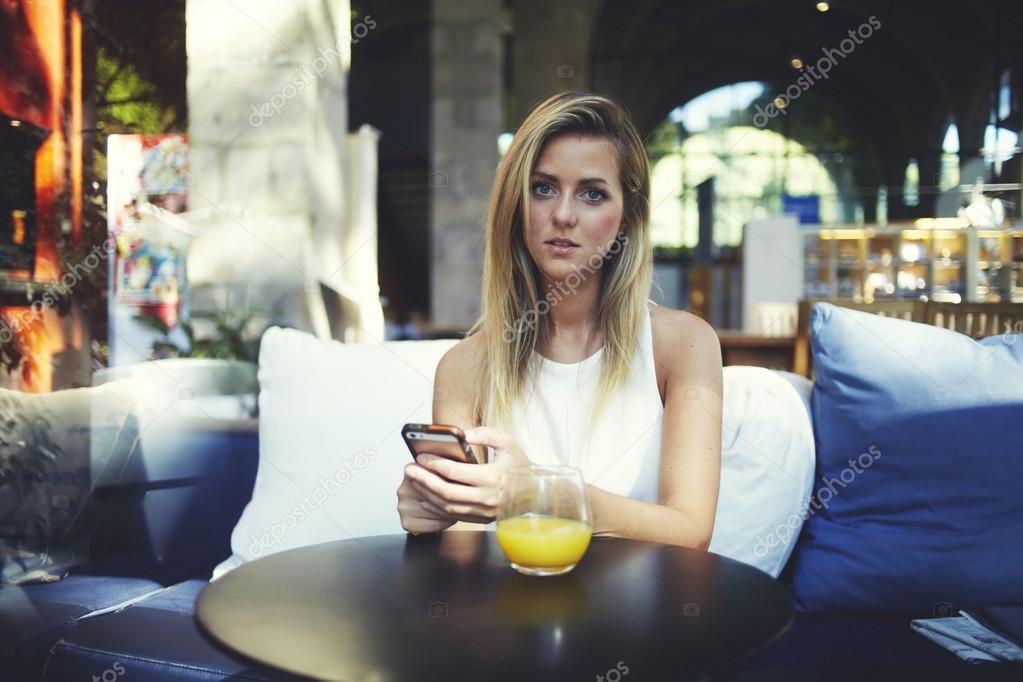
(330, 447)
(331, 454)
(767, 466)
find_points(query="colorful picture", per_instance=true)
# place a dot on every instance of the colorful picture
(150, 263)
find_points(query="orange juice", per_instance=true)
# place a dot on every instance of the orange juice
(546, 543)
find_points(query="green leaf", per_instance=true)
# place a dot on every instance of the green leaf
(153, 322)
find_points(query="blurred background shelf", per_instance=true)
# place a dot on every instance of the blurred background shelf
(927, 260)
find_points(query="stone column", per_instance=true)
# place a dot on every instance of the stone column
(466, 89)
(267, 125)
(552, 45)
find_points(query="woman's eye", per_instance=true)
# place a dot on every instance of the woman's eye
(542, 189)
(594, 195)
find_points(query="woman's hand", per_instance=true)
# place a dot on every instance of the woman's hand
(455, 491)
(416, 518)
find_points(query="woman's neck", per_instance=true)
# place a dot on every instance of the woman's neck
(572, 317)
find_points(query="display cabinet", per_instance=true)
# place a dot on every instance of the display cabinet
(936, 259)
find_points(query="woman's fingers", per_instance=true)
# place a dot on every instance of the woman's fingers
(464, 502)
(435, 504)
(412, 495)
(460, 514)
(415, 516)
(501, 442)
(459, 508)
(418, 508)
(489, 436)
(511, 457)
(459, 472)
(456, 490)
(433, 509)
(420, 524)
(448, 490)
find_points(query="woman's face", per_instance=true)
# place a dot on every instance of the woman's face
(575, 207)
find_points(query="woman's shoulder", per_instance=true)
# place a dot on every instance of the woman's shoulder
(456, 382)
(464, 356)
(678, 325)
(680, 334)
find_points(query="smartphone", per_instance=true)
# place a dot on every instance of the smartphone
(438, 439)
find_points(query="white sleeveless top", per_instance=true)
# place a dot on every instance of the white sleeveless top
(549, 423)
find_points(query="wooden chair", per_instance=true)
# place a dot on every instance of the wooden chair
(801, 361)
(976, 320)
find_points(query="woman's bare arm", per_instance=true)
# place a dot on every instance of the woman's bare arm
(689, 355)
(452, 404)
(454, 395)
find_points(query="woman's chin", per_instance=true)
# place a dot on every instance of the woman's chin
(561, 270)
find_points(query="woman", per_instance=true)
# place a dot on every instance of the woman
(570, 362)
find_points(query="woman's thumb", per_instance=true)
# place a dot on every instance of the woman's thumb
(484, 435)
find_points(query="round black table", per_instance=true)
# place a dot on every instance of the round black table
(449, 607)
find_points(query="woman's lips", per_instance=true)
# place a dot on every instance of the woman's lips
(559, 248)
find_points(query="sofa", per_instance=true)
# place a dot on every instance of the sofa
(187, 511)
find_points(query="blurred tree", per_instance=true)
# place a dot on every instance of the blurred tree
(141, 66)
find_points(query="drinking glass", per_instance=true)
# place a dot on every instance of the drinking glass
(543, 519)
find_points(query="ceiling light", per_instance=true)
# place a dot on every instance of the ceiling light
(823, 7)
(15, 123)
(779, 102)
(796, 63)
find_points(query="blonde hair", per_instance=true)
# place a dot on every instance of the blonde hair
(511, 280)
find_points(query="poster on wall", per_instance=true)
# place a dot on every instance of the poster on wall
(147, 169)
(147, 187)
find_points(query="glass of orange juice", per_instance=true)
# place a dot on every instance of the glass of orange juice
(543, 519)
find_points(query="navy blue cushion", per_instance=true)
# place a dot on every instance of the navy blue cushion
(154, 640)
(919, 434)
(851, 648)
(32, 618)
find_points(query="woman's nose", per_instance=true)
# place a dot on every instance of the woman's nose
(564, 214)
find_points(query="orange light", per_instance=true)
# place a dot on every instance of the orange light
(76, 125)
(18, 218)
(40, 337)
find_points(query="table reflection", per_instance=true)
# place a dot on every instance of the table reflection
(532, 600)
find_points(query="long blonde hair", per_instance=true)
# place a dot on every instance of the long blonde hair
(511, 280)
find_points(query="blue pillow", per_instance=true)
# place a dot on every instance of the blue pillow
(918, 504)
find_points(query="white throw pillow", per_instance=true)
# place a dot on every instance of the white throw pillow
(767, 466)
(330, 448)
